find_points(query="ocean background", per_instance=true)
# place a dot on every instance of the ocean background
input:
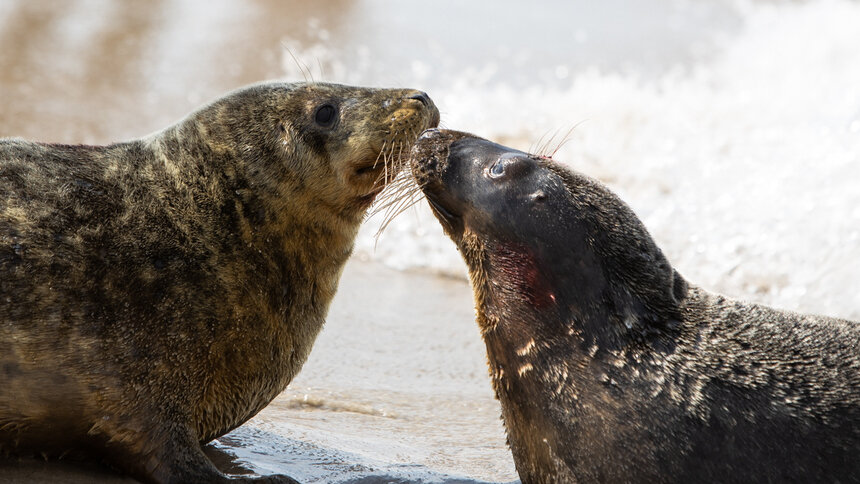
(732, 128)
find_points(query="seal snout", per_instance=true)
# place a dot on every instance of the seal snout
(429, 156)
(425, 157)
(427, 104)
(423, 98)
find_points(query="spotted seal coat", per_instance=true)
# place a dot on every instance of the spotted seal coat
(609, 365)
(157, 293)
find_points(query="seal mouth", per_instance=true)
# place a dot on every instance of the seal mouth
(452, 222)
(374, 176)
(367, 200)
(372, 168)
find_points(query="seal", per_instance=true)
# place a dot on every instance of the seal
(609, 365)
(157, 293)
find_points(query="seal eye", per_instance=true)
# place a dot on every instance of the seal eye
(325, 115)
(497, 170)
(509, 165)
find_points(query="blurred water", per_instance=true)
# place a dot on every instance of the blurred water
(731, 127)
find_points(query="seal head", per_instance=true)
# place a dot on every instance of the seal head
(551, 234)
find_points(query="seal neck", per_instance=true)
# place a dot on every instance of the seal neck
(520, 291)
(251, 196)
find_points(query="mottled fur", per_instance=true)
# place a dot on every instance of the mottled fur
(609, 366)
(158, 293)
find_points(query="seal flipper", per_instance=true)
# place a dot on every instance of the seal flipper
(175, 457)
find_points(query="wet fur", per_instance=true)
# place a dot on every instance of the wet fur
(631, 374)
(158, 293)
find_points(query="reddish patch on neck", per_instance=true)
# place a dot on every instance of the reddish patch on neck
(518, 275)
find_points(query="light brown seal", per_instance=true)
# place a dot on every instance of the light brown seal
(157, 293)
(610, 366)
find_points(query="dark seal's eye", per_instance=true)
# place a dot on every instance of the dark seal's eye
(497, 170)
(325, 115)
(508, 166)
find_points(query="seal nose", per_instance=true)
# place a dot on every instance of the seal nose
(421, 96)
(425, 101)
(429, 134)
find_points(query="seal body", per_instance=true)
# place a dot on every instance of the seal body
(609, 365)
(156, 294)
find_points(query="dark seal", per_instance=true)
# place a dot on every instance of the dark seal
(609, 366)
(156, 294)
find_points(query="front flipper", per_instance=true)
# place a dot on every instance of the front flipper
(173, 456)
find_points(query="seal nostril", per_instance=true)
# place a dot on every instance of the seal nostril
(421, 96)
(538, 196)
(428, 133)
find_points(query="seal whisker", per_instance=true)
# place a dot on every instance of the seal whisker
(566, 138)
(397, 161)
(386, 165)
(542, 150)
(391, 212)
(386, 154)
(403, 193)
(394, 161)
(322, 71)
(399, 187)
(385, 162)
(302, 67)
(398, 196)
(405, 205)
(535, 146)
(380, 155)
